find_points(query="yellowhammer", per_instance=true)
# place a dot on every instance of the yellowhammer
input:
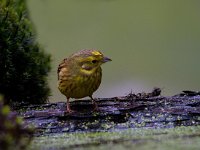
(80, 74)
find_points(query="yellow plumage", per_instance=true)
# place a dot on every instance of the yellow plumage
(80, 74)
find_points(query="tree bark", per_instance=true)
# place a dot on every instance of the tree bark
(132, 111)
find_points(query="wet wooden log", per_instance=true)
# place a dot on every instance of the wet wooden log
(149, 110)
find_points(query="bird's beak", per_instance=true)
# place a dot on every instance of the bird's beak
(106, 59)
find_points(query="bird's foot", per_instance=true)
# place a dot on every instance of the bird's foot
(96, 108)
(68, 110)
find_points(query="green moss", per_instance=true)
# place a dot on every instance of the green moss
(144, 139)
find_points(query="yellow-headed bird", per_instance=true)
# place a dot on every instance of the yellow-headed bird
(80, 74)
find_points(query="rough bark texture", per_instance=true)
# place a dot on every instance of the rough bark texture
(132, 111)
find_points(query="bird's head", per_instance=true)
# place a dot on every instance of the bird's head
(90, 60)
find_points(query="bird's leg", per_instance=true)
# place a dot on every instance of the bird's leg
(68, 109)
(96, 108)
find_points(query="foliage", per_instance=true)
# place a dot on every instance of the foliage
(24, 65)
(12, 133)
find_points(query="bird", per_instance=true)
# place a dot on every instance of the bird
(80, 75)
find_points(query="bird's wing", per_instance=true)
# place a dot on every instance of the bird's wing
(61, 65)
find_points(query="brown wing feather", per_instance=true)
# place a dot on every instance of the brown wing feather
(61, 65)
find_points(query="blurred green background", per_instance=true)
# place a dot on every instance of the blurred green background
(152, 43)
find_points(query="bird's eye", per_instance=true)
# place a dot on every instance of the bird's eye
(94, 61)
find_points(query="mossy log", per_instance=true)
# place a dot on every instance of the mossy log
(132, 111)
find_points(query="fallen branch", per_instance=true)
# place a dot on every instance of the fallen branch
(131, 111)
